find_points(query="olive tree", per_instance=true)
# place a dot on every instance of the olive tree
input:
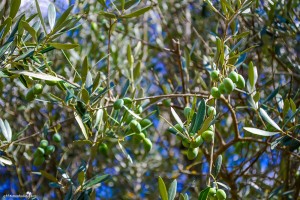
(150, 99)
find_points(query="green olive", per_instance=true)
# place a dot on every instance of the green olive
(179, 128)
(56, 137)
(186, 142)
(102, 148)
(49, 149)
(229, 85)
(222, 89)
(215, 92)
(139, 110)
(241, 82)
(38, 161)
(214, 75)
(196, 142)
(30, 95)
(208, 136)
(212, 192)
(211, 128)
(147, 144)
(192, 153)
(39, 152)
(118, 104)
(167, 102)
(127, 100)
(179, 137)
(44, 143)
(145, 122)
(140, 136)
(211, 109)
(135, 126)
(221, 194)
(128, 119)
(38, 89)
(233, 76)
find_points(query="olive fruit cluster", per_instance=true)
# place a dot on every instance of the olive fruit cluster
(119, 103)
(136, 127)
(192, 143)
(217, 194)
(228, 84)
(42, 152)
(36, 90)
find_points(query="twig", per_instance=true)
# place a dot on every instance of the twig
(178, 57)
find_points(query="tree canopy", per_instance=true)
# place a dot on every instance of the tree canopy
(130, 99)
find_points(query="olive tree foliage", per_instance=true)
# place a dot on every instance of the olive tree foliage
(201, 93)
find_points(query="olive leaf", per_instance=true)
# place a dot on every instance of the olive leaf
(267, 118)
(177, 118)
(260, 132)
(199, 116)
(138, 12)
(172, 190)
(51, 15)
(203, 194)
(5, 161)
(95, 180)
(6, 130)
(14, 7)
(162, 189)
(218, 165)
(81, 125)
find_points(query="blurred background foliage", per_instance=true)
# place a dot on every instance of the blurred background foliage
(154, 57)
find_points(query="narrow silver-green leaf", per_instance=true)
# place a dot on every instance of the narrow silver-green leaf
(129, 55)
(206, 123)
(40, 15)
(260, 132)
(95, 180)
(177, 118)
(14, 7)
(99, 117)
(3, 129)
(218, 165)
(6, 161)
(88, 81)
(51, 15)
(138, 12)
(63, 46)
(223, 185)
(4, 48)
(252, 74)
(41, 76)
(8, 130)
(108, 14)
(81, 125)
(162, 189)
(125, 152)
(30, 30)
(27, 54)
(267, 118)
(62, 19)
(85, 69)
(172, 190)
